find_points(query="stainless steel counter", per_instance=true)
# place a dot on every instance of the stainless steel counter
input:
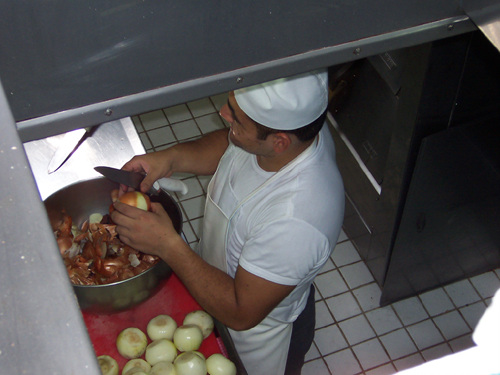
(110, 144)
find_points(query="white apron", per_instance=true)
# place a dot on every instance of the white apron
(263, 349)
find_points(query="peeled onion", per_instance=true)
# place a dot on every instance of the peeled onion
(131, 343)
(163, 368)
(108, 365)
(217, 364)
(161, 350)
(188, 337)
(202, 319)
(199, 353)
(189, 363)
(136, 365)
(161, 327)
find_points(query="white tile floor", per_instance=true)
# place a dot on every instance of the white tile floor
(353, 334)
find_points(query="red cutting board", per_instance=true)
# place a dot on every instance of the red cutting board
(171, 299)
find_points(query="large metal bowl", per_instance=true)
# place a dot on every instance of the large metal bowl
(84, 198)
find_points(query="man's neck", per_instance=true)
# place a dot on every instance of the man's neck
(274, 163)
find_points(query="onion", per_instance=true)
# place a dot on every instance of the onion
(188, 337)
(217, 364)
(134, 261)
(189, 363)
(199, 353)
(202, 319)
(135, 365)
(163, 368)
(131, 343)
(95, 218)
(108, 365)
(161, 327)
(136, 199)
(160, 350)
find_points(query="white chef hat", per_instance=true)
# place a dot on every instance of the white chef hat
(286, 103)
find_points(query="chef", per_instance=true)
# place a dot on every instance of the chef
(273, 214)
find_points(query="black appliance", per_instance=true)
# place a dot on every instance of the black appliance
(418, 141)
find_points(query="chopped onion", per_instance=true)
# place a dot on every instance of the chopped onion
(161, 327)
(202, 319)
(217, 364)
(163, 368)
(188, 337)
(131, 343)
(189, 363)
(160, 350)
(135, 365)
(108, 365)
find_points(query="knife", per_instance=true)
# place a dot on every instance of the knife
(134, 179)
(69, 144)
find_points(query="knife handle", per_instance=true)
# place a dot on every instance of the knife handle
(171, 184)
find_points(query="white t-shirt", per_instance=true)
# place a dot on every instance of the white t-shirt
(287, 230)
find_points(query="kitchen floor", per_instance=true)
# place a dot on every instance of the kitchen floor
(353, 334)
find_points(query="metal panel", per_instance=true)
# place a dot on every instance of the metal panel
(40, 321)
(486, 15)
(132, 56)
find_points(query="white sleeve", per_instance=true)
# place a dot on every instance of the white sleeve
(285, 251)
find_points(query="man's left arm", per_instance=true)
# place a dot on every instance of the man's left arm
(240, 303)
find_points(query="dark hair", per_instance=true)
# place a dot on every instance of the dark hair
(304, 133)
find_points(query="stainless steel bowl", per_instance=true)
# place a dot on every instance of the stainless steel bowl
(84, 198)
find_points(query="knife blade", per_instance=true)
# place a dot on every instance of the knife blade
(69, 144)
(134, 179)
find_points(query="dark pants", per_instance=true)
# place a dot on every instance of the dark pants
(302, 337)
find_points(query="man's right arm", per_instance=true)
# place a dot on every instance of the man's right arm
(199, 157)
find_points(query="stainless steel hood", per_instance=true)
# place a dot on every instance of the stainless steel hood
(72, 64)
(486, 15)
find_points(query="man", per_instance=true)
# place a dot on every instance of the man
(273, 214)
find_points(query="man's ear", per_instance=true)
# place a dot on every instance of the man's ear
(281, 142)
